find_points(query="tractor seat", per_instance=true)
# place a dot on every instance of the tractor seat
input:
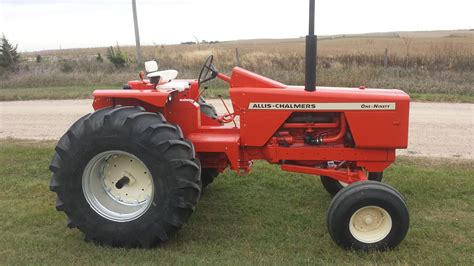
(174, 85)
(165, 75)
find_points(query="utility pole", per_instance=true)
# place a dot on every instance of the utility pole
(137, 33)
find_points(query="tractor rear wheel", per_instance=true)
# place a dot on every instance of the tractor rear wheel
(333, 186)
(208, 175)
(368, 215)
(125, 177)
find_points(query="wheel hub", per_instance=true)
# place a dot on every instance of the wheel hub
(370, 224)
(127, 180)
(368, 220)
(118, 186)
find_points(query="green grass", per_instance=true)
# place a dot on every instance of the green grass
(85, 92)
(267, 217)
(439, 97)
(51, 93)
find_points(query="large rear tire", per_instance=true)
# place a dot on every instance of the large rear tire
(333, 186)
(208, 175)
(368, 215)
(125, 177)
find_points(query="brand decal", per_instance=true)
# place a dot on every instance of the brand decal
(323, 106)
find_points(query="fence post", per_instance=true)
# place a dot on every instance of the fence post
(385, 59)
(237, 57)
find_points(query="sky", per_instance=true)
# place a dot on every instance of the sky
(47, 24)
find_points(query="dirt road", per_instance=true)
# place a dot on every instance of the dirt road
(436, 129)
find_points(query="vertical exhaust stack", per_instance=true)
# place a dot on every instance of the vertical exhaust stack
(311, 52)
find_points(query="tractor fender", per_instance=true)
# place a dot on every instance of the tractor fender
(105, 98)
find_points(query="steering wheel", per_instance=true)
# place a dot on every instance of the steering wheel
(208, 71)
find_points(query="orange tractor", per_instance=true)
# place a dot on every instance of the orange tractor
(131, 173)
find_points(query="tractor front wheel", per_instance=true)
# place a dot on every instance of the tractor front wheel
(333, 186)
(125, 177)
(368, 215)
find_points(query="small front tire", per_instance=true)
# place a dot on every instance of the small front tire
(368, 215)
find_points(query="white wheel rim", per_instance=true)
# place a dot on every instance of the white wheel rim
(118, 186)
(370, 224)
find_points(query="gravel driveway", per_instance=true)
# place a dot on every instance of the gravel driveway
(436, 129)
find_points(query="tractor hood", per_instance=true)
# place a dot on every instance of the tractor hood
(271, 90)
(378, 118)
(244, 78)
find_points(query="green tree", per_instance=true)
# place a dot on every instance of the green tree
(38, 58)
(116, 56)
(8, 54)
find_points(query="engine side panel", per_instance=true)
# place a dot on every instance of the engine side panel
(377, 118)
(376, 129)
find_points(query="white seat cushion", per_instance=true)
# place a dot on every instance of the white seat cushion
(165, 75)
(174, 85)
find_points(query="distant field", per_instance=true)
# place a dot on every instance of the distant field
(420, 43)
(269, 217)
(437, 63)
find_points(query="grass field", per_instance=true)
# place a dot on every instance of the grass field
(437, 64)
(267, 217)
